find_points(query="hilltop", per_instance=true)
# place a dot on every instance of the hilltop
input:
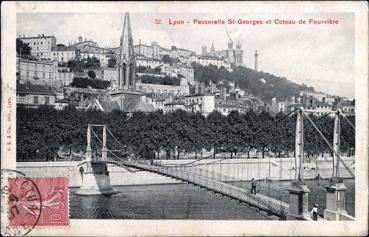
(261, 84)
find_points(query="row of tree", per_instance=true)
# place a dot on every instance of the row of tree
(82, 82)
(76, 65)
(166, 80)
(43, 131)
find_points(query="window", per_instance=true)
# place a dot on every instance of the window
(47, 100)
(35, 99)
(43, 75)
(27, 73)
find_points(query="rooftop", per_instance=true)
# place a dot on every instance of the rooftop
(34, 37)
(198, 94)
(108, 105)
(208, 57)
(64, 48)
(174, 103)
(33, 89)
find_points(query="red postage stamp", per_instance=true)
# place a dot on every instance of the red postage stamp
(38, 201)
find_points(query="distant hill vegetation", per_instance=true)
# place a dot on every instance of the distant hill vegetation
(261, 84)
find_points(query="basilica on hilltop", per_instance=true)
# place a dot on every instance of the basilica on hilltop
(231, 54)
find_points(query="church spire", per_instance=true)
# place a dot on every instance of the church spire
(126, 40)
(126, 62)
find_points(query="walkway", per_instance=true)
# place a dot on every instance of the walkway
(194, 176)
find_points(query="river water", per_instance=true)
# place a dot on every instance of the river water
(183, 201)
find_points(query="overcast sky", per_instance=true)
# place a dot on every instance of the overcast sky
(317, 55)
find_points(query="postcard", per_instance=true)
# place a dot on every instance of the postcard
(184, 118)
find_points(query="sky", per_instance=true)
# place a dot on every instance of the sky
(321, 56)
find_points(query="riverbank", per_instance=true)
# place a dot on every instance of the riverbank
(227, 170)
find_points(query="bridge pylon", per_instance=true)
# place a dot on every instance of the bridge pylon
(94, 172)
(298, 191)
(335, 200)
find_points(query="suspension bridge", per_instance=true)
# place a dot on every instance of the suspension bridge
(215, 175)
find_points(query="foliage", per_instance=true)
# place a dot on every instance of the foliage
(42, 131)
(76, 65)
(166, 80)
(23, 49)
(143, 69)
(91, 74)
(92, 63)
(250, 81)
(85, 82)
(167, 59)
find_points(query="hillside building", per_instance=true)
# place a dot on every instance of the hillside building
(40, 45)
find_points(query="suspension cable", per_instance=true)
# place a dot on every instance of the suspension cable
(347, 120)
(274, 123)
(328, 144)
(129, 169)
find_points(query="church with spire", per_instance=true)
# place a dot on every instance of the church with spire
(125, 94)
(126, 63)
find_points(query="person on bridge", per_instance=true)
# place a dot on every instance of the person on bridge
(314, 212)
(253, 186)
(318, 178)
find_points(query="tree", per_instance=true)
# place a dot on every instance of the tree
(166, 80)
(92, 63)
(91, 74)
(167, 59)
(23, 49)
(42, 131)
(81, 82)
(215, 121)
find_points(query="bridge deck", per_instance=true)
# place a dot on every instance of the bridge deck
(191, 175)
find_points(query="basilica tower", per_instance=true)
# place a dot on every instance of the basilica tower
(126, 63)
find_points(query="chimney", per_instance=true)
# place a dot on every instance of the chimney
(223, 93)
(202, 88)
(197, 85)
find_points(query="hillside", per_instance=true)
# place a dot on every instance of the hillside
(261, 84)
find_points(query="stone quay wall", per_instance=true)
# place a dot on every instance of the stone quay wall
(227, 170)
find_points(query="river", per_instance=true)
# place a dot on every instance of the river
(183, 201)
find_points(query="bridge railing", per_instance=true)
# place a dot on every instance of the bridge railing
(195, 176)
